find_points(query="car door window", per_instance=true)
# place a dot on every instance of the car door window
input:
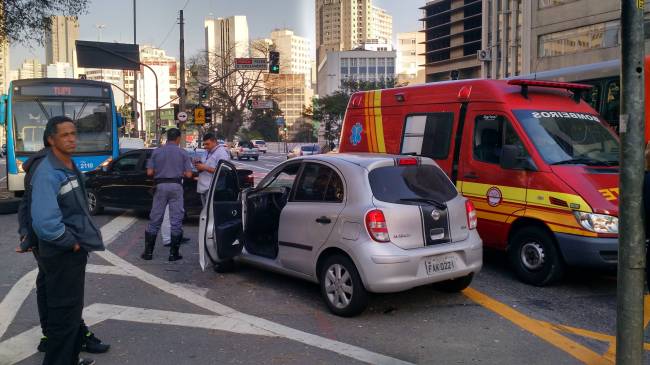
(428, 135)
(319, 183)
(128, 163)
(284, 178)
(491, 133)
(227, 186)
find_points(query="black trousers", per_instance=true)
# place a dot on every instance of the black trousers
(64, 280)
(41, 297)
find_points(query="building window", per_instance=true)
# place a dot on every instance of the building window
(596, 36)
(550, 3)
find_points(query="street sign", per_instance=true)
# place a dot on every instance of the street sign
(199, 115)
(251, 64)
(262, 104)
(182, 117)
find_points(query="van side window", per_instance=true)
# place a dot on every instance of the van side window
(491, 132)
(428, 135)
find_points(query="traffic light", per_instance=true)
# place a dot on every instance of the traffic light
(249, 104)
(208, 115)
(274, 62)
(203, 92)
(177, 109)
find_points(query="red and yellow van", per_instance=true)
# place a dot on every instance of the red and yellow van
(539, 163)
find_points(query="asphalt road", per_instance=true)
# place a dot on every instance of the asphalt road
(173, 313)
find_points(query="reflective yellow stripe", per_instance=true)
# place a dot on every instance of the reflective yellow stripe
(542, 198)
(508, 193)
(379, 131)
(370, 122)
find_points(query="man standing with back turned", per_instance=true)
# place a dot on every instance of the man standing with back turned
(66, 234)
(168, 165)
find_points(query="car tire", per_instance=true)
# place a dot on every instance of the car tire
(357, 299)
(454, 285)
(238, 158)
(94, 207)
(224, 266)
(256, 158)
(534, 256)
(9, 205)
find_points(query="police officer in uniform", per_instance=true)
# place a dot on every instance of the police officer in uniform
(168, 165)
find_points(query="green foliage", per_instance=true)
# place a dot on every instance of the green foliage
(25, 21)
(263, 122)
(304, 131)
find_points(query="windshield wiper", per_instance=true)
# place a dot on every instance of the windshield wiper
(433, 202)
(584, 161)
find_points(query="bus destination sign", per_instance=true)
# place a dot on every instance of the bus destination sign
(61, 90)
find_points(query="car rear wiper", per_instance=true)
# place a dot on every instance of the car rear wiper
(433, 202)
(584, 161)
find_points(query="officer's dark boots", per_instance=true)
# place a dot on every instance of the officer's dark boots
(174, 253)
(149, 243)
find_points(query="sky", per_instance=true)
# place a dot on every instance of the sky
(156, 21)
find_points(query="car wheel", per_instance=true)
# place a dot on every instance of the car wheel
(534, 256)
(256, 158)
(224, 266)
(341, 287)
(238, 157)
(94, 208)
(454, 285)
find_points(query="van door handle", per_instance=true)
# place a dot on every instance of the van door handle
(323, 220)
(471, 175)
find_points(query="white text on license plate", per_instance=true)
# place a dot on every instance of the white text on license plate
(439, 264)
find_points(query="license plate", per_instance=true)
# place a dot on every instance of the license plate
(439, 264)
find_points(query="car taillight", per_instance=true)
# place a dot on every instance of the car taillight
(376, 225)
(241, 149)
(471, 214)
(250, 180)
(301, 153)
(407, 162)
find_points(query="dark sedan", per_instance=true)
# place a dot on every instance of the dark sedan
(124, 184)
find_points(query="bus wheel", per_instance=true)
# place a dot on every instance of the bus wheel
(534, 256)
(9, 205)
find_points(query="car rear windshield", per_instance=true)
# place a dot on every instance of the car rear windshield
(393, 184)
(261, 143)
(309, 148)
(245, 144)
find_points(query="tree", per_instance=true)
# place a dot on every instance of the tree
(303, 131)
(230, 88)
(25, 21)
(264, 122)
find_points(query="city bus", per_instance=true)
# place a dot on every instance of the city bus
(605, 96)
(25, 110)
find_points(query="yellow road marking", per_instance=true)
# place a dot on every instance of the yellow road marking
(552, 333)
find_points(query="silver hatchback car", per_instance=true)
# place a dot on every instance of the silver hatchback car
(354, 223)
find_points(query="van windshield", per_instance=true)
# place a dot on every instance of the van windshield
(564, 138)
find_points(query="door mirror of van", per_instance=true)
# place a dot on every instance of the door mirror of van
(512, 158)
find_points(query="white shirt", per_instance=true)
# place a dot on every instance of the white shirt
(211, 160)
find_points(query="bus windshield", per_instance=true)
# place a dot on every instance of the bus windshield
(565, 138)
(92, 119)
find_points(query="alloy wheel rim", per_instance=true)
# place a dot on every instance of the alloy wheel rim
(338, 286)
(533, 256)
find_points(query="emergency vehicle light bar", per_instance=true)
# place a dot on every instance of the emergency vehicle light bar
(576, 89)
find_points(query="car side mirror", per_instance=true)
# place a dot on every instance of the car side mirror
(512, 158)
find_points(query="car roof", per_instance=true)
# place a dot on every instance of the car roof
(365, 160)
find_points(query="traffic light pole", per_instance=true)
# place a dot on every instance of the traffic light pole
(631, 249)
(182, 93)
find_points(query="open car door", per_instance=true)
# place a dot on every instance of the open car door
(220, 228)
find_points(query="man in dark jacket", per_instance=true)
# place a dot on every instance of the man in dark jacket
(29, 242)
(66, 234)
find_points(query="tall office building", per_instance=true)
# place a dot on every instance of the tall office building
(5, 72)
(60, 42)
(226, 39)
(410, 58)
(31, 69)
(343, 25)
(295, 53)
(453, 31)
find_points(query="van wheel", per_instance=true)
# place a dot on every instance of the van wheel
(94, 208)
(454, 285)
(341, 287)
(534, 256)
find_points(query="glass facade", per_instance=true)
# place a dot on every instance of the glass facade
(551, 3)
(595, 36)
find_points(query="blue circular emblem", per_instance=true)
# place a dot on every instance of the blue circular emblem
(355, 137)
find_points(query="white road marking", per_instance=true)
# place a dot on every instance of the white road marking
(3, 179)
(12, 302)
(23, 345)
(251, 166)
(105, 270)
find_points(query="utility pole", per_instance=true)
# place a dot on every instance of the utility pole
(134, 104)
(182, 92)
(631, 248)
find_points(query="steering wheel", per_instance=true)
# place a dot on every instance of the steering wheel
(279, 201)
